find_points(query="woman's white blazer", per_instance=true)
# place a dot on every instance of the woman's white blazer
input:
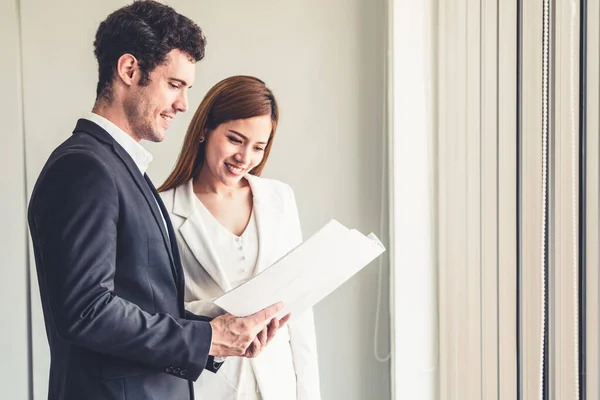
(279, 231)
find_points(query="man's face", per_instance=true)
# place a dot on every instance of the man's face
(149, 109)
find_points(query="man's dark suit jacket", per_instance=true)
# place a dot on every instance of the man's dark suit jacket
(110, 278)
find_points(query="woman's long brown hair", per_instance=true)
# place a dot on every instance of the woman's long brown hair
(236, 97)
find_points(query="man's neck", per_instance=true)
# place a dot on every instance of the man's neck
(115, 115)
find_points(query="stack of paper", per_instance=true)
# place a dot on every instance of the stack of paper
(306, 274)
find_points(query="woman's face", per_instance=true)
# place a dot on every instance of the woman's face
(235, 147)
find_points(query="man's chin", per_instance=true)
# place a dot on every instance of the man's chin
(155, 137)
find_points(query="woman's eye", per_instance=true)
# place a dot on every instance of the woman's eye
(234, 140)
(259, 149)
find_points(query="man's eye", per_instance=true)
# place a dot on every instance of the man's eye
(174, 86)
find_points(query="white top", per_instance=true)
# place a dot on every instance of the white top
(238, 255)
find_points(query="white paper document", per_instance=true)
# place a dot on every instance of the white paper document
(306, 274)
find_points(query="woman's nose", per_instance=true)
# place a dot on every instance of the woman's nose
(243, 155)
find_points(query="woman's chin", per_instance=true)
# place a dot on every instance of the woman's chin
(231, 181)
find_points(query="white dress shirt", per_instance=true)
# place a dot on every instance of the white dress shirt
(141, 157)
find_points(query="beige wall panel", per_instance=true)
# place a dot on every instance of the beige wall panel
(531, 200)
(564, 209)
(475, 186)
(507, 160)
(469, 200)
(453, 237)
(593, 165)
(489, 198)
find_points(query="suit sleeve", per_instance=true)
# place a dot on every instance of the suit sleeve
(303, 339)
(73, 217)
(212, 363)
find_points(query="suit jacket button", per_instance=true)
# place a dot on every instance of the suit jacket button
(183, 372)
(169, 369)
(176, 370)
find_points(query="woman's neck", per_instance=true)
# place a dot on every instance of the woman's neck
(206, 184)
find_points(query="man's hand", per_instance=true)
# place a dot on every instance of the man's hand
(232, 335)
(265, 336)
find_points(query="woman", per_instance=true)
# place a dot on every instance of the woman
(230, 225)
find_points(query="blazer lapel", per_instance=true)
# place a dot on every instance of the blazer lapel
(147, 191)
(168, 239)
(268, 211)
(142, 181)
(176, 256)
(195, 235)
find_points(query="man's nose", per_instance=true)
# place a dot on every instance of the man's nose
(181, 103)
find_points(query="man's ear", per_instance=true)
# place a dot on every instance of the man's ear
(127, 68)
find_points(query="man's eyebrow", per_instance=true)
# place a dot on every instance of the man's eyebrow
(184, 83)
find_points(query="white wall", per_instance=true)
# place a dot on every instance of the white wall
(324, 61)
(13, 239)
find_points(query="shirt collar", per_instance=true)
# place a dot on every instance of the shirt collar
(140, 155)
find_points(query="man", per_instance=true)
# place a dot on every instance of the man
(109, 270)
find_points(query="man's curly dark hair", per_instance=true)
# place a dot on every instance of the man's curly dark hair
(148, 30)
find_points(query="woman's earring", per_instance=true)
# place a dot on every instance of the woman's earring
(201, 139)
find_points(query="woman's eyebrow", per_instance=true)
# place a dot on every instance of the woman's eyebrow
(244, 137)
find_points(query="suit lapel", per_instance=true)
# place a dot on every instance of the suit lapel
(160, 215)
(142, 181)
(268, 210)
(179, 276)
(195, 235)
